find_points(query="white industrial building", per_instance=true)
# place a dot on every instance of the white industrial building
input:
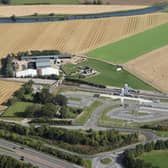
(49, 71)
(26, 73)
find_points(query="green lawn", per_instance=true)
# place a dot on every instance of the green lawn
(109, 76)
(162, 133)
(17, 109)
(129, 48)
(86, 114)
(157, 158)
(21, 2)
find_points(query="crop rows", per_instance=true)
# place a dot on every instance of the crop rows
(74, 36)
(6, 90)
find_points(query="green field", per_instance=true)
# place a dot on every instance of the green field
(157, 158)
(107, 75)
(17, 109)
(129, 48)
(21, 2)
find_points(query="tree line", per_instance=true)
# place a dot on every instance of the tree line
(131, 156)
(50, 121)
(5, 2)
(74, 80)
(101, 140)
(162, 126)
(9, 162)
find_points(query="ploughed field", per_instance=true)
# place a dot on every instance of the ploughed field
(7, 88)
(152, 67)
(23, 10)
(74, 36)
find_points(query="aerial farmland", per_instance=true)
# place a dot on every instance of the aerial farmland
(83, 83)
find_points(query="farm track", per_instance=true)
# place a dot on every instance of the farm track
(74, 36)
(7, 88)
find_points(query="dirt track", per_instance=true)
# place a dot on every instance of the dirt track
(152, 67)
(73, 36)
(62, 9)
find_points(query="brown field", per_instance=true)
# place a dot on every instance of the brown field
(73, 36)
(23, 10)
(7, 89)
(152, 67)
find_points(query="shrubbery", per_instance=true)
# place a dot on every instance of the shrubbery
(9, 162)
(162, 126)
(69, 79)
(105, 140)
(50, 121)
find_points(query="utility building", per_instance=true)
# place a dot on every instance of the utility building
(26, 73)
(48, 71)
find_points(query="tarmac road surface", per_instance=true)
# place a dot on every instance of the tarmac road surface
(36, 158)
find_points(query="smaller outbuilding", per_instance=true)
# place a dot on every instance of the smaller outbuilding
(48, 71)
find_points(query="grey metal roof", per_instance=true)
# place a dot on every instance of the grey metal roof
(40, 57)
(41, 63)
(35, 57)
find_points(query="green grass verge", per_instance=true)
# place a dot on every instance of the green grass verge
(104, 120)
(74, 99)
(157, 158)
(88, 163)
(108, 75)
(22, 2)
(129, 48)
(86, 114)
(106, 161)
(17, 109)
(162, 133)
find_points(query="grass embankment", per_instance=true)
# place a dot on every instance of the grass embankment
(107, 75)
(17, 109)
(130, 48)
(86, 114)
(157, 158)
(22, 2)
